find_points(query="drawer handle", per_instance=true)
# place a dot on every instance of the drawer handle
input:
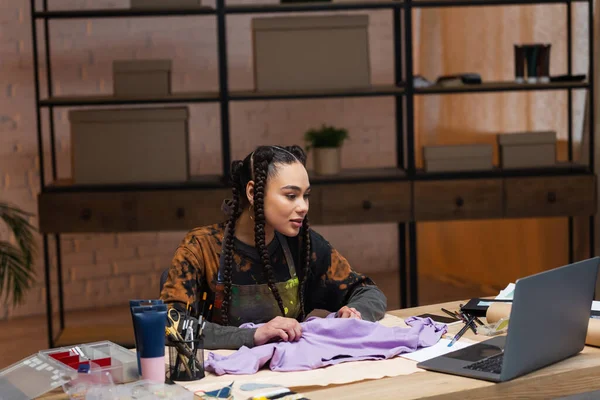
(86, 214)
(367, 205)
(180, 212)
(551, 197)
(459, 201)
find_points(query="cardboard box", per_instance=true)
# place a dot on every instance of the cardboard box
(472, 157)
(311, 53)
(527, 149)
(142, 77)
(170, 4)
(120, 146)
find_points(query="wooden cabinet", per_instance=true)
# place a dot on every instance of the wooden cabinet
(130, 211)
(457, 199)
(330, 203)
(550, 196)
(87, 212)
(356, 203)
(180, 210)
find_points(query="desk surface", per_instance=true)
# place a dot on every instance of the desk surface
(575, 375)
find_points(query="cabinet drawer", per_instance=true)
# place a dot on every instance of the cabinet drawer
(365, 203)
(461, 199)
(130, 211)
(87, 212)
(550, 196)
(180, 210)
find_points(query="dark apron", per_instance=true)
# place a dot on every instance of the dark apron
(256, 303)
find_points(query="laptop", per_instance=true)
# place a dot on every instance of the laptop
(548, 323)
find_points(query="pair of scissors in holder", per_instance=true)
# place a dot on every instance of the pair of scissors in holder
(174, 318)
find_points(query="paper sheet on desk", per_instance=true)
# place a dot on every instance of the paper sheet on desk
(343, 373)
(438, 349)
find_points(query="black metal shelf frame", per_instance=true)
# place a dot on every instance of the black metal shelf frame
(403, 92)
(374, 91)
(283, 8)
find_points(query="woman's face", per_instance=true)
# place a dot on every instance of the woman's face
(286, 198)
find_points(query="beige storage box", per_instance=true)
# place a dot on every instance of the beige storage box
(527, 150)
(170, 4)
(472, 157)
(130, 145)
(311, 53)
(142, 77)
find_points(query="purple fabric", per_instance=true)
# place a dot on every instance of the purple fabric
(328, 341)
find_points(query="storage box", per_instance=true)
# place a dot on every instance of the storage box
(311, 53)
(170, 4)
(116, 146)
(472, 157)
(527, 149)
(107, 356)
(49, 369)
(142, 77)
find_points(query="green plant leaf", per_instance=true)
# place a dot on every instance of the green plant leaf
(325, 136)
(16, 262)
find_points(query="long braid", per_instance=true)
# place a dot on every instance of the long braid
(306, 259)
(299, 154)
(260, 176)
(229, 240)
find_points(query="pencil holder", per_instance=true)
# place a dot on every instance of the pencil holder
(186, 360)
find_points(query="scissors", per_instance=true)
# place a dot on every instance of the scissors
(174, 318)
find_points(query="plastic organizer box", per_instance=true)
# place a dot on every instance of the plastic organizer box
(105, 356)
(49, 369)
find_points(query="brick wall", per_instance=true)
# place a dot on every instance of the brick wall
(109, 269)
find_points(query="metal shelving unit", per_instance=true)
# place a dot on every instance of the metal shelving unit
(402, 90)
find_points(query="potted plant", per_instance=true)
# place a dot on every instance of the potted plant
(16, 261)
(326, 142)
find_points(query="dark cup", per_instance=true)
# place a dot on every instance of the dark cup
(519, 64)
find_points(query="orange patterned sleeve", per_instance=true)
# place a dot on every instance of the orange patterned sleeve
(185, 273)
(337, 284)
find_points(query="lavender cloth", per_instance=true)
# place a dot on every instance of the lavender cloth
(329, 341)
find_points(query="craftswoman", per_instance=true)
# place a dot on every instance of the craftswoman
(265, 265)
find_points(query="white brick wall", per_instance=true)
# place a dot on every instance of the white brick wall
(109, 269)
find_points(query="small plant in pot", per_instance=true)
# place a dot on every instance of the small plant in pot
(326, 143)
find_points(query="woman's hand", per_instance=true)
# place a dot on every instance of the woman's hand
(286, 329)
(348, 312)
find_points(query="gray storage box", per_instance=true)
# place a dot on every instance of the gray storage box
(311, 53)
(142, 77)
(130, 145)
(472, 157)
(527, 150)
(137, 4)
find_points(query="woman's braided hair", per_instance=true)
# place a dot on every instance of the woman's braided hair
(258, 167)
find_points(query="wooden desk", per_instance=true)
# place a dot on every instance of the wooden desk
(575, 375)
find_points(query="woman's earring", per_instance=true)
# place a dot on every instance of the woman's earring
(251, 212)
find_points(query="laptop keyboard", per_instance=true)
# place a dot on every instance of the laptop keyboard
(491, 364)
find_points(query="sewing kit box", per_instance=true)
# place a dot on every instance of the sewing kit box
(141, 4)
(452, 158)
(141, 77)
(527, 149)
(116, 146)
(105, 363)
(311, 53)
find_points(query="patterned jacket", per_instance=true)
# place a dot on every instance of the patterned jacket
(330, 285)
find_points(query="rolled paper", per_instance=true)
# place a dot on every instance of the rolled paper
(593, 333)
(496, 311)
(501, 310)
